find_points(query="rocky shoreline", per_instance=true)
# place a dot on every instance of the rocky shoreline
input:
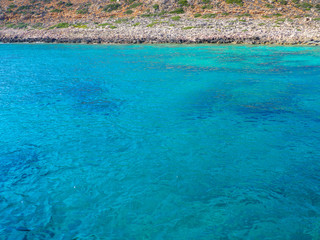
(139, 30)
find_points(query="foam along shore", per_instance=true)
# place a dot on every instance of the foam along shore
(142, 30)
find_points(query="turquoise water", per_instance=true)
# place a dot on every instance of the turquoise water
(159, 142)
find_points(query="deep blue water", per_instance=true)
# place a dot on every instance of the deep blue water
(159, 142)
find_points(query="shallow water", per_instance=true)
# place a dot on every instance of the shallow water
(159, 142)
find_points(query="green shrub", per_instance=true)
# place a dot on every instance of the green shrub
(197, 15)
(68, 4)
(12, 6)
(23, 9)
(20, 25)
(84, 8)
(111, 7)
(245, 15)
(183, 3)
(60, 25)
(238, 2)
(207, 7)
(161, 13)
(305, 6)
(147, 15)
(209, 15)
(283, 2)
(156, 7)
(83, 11)
(152, 24)
(176, 18)
(104, 24)
(26, 7)
(178, 11)
(112, 27)
(134, 5)
(56, 10)
(268, 5)
(187, 28)
(128, 11)
(121, 20)
(79, 25)
(136, 24)
(9, 25)
(279, 21)
(206, 1)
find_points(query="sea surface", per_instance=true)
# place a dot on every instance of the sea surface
(159, 142)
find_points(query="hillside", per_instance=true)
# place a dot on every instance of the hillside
(154, 21)
(54, 11)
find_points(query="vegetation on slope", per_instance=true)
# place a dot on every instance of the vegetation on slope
(36, 11)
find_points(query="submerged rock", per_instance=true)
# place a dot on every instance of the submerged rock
(23, 229)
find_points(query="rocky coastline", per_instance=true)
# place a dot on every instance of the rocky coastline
(302, 31)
